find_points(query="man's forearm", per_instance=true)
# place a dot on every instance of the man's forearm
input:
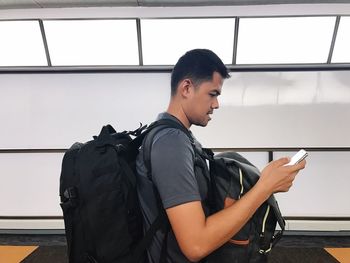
(199, 236)
(221, 226)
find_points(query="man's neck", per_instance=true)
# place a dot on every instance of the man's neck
(179, 114)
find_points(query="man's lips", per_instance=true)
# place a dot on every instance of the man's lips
(209, 113)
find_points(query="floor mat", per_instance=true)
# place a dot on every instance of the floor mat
(15, 254)
(300, 255)
(45, 254)
(341, 254)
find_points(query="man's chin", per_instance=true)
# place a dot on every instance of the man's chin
(203, 123)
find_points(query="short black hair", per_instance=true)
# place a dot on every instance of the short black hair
(198, 65)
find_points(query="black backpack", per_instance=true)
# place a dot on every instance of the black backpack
(234, 176)
(102, 217)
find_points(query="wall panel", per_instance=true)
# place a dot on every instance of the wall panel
(288, 109)
(29, 184)
(273, 110)
(321, 189)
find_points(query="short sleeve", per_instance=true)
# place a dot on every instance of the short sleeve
(172, 160)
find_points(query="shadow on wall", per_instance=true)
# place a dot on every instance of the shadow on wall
(279, 88)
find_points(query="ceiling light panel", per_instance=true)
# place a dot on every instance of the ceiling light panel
(92, 42)
(164, 41)
(341, 53)
(21, 44)
(284, 40)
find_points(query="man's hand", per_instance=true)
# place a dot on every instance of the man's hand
(198, 236)
(276, 177)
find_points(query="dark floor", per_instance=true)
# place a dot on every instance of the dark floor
(290, 249)
(314, 241)
(286, 240)
(36, 240)
(58, 254)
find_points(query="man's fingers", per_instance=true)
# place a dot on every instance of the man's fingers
(296, 167)
(301, 165)
(280, 162)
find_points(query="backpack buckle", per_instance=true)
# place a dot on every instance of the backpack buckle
(265, 247)
(70, 193)
(138, 131)
(276, 237)
(265, 251)
(120, 148)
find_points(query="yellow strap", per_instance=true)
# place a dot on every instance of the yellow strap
(241, 182)
(265, 217)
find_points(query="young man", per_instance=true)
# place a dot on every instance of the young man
(196, 83)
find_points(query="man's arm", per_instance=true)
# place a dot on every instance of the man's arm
(198, 236)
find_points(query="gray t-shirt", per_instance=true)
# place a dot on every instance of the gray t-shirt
(172, 161)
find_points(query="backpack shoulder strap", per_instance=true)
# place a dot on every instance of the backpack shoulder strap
(161, 221)
(153, 129)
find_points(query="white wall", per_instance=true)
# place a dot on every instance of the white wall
(29, 184)
(52, 111)
(282, 109)
(322, 189)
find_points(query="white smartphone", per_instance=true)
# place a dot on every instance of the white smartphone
(298, 157)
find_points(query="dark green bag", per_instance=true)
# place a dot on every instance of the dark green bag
(234, 176)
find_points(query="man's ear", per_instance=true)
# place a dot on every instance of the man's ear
(185, 88)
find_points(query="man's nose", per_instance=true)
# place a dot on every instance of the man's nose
(215, 104)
